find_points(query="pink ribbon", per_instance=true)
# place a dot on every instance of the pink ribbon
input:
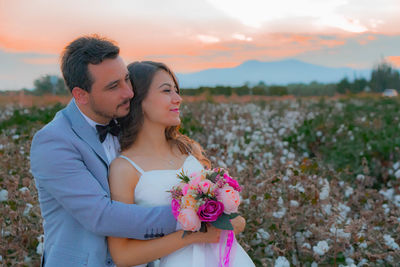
(226, 241)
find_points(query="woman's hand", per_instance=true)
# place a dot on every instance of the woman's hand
(238, 223)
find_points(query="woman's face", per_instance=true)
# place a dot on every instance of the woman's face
(162, 102)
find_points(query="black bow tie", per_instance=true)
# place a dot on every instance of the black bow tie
(111, 128)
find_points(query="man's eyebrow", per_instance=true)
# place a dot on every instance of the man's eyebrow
(110, 84)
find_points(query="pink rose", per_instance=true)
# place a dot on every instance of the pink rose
(195, 181)
(196, 178)
(210, 211)
(205, 186)
(230, 198)
(175, 208)
(185, 189)
(232, 182)
(189, 220)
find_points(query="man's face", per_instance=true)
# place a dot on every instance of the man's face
(111, 90)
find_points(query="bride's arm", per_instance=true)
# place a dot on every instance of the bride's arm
(127, 252)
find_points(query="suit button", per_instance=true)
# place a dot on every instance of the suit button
(109, 262)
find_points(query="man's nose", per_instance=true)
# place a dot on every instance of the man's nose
(127, 90)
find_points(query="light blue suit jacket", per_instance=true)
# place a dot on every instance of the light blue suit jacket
(70, 169)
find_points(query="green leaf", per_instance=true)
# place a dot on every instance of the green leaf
(223, 222)
(233, 215)
(212, 177)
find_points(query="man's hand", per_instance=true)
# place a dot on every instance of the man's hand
(211, 236)
(238, 223)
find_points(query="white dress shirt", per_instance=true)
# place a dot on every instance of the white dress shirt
(111, 144)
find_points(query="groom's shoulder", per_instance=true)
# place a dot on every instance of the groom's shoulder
(59, 127)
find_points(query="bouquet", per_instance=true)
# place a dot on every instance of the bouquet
(209, 196)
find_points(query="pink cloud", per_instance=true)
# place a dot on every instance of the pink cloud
(395, 60)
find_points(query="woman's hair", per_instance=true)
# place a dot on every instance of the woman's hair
(141, 75)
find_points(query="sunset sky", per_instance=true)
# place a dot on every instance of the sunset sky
(192, 35)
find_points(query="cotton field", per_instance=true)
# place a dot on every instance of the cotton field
(321, 178)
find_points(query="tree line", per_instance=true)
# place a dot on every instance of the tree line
(383, 76)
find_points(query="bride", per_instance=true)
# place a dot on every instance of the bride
(153, 152)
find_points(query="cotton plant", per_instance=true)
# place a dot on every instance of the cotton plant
(320, 215)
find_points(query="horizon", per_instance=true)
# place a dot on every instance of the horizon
(208, 34)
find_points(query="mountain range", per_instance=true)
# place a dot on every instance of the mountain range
(273, 72)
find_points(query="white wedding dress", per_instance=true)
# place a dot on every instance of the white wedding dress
(151, 190)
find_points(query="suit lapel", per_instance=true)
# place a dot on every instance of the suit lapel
(82, 128)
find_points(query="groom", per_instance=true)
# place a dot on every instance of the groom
(70, 158)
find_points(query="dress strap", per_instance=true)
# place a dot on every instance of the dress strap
(133, 164)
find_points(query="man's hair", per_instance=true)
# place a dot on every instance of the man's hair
(79, 54)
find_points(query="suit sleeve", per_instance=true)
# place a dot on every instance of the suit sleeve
(58, 168)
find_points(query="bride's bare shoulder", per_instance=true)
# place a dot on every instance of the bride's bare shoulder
(122, 169)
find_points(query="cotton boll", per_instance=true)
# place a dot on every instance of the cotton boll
(396, 165)
(389, 241)
(279, 214)
(396, 201)
(343, 210)
(388, 194)
(362, 262)
(294, 203)
(281, 262)
(325, 190)
(263, 234)
(269, 251)
(360, 177)
(386, 208)
(23, 189)
(299, 237)
(27, 209)
(321, 248)
(349, 191)
(327, 209)
(3, 195)
(397, 174)
(40, 246)
(350, 261)
(363, 245)
(27, 259)
(339, 232)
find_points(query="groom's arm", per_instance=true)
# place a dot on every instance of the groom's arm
(58, 168)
